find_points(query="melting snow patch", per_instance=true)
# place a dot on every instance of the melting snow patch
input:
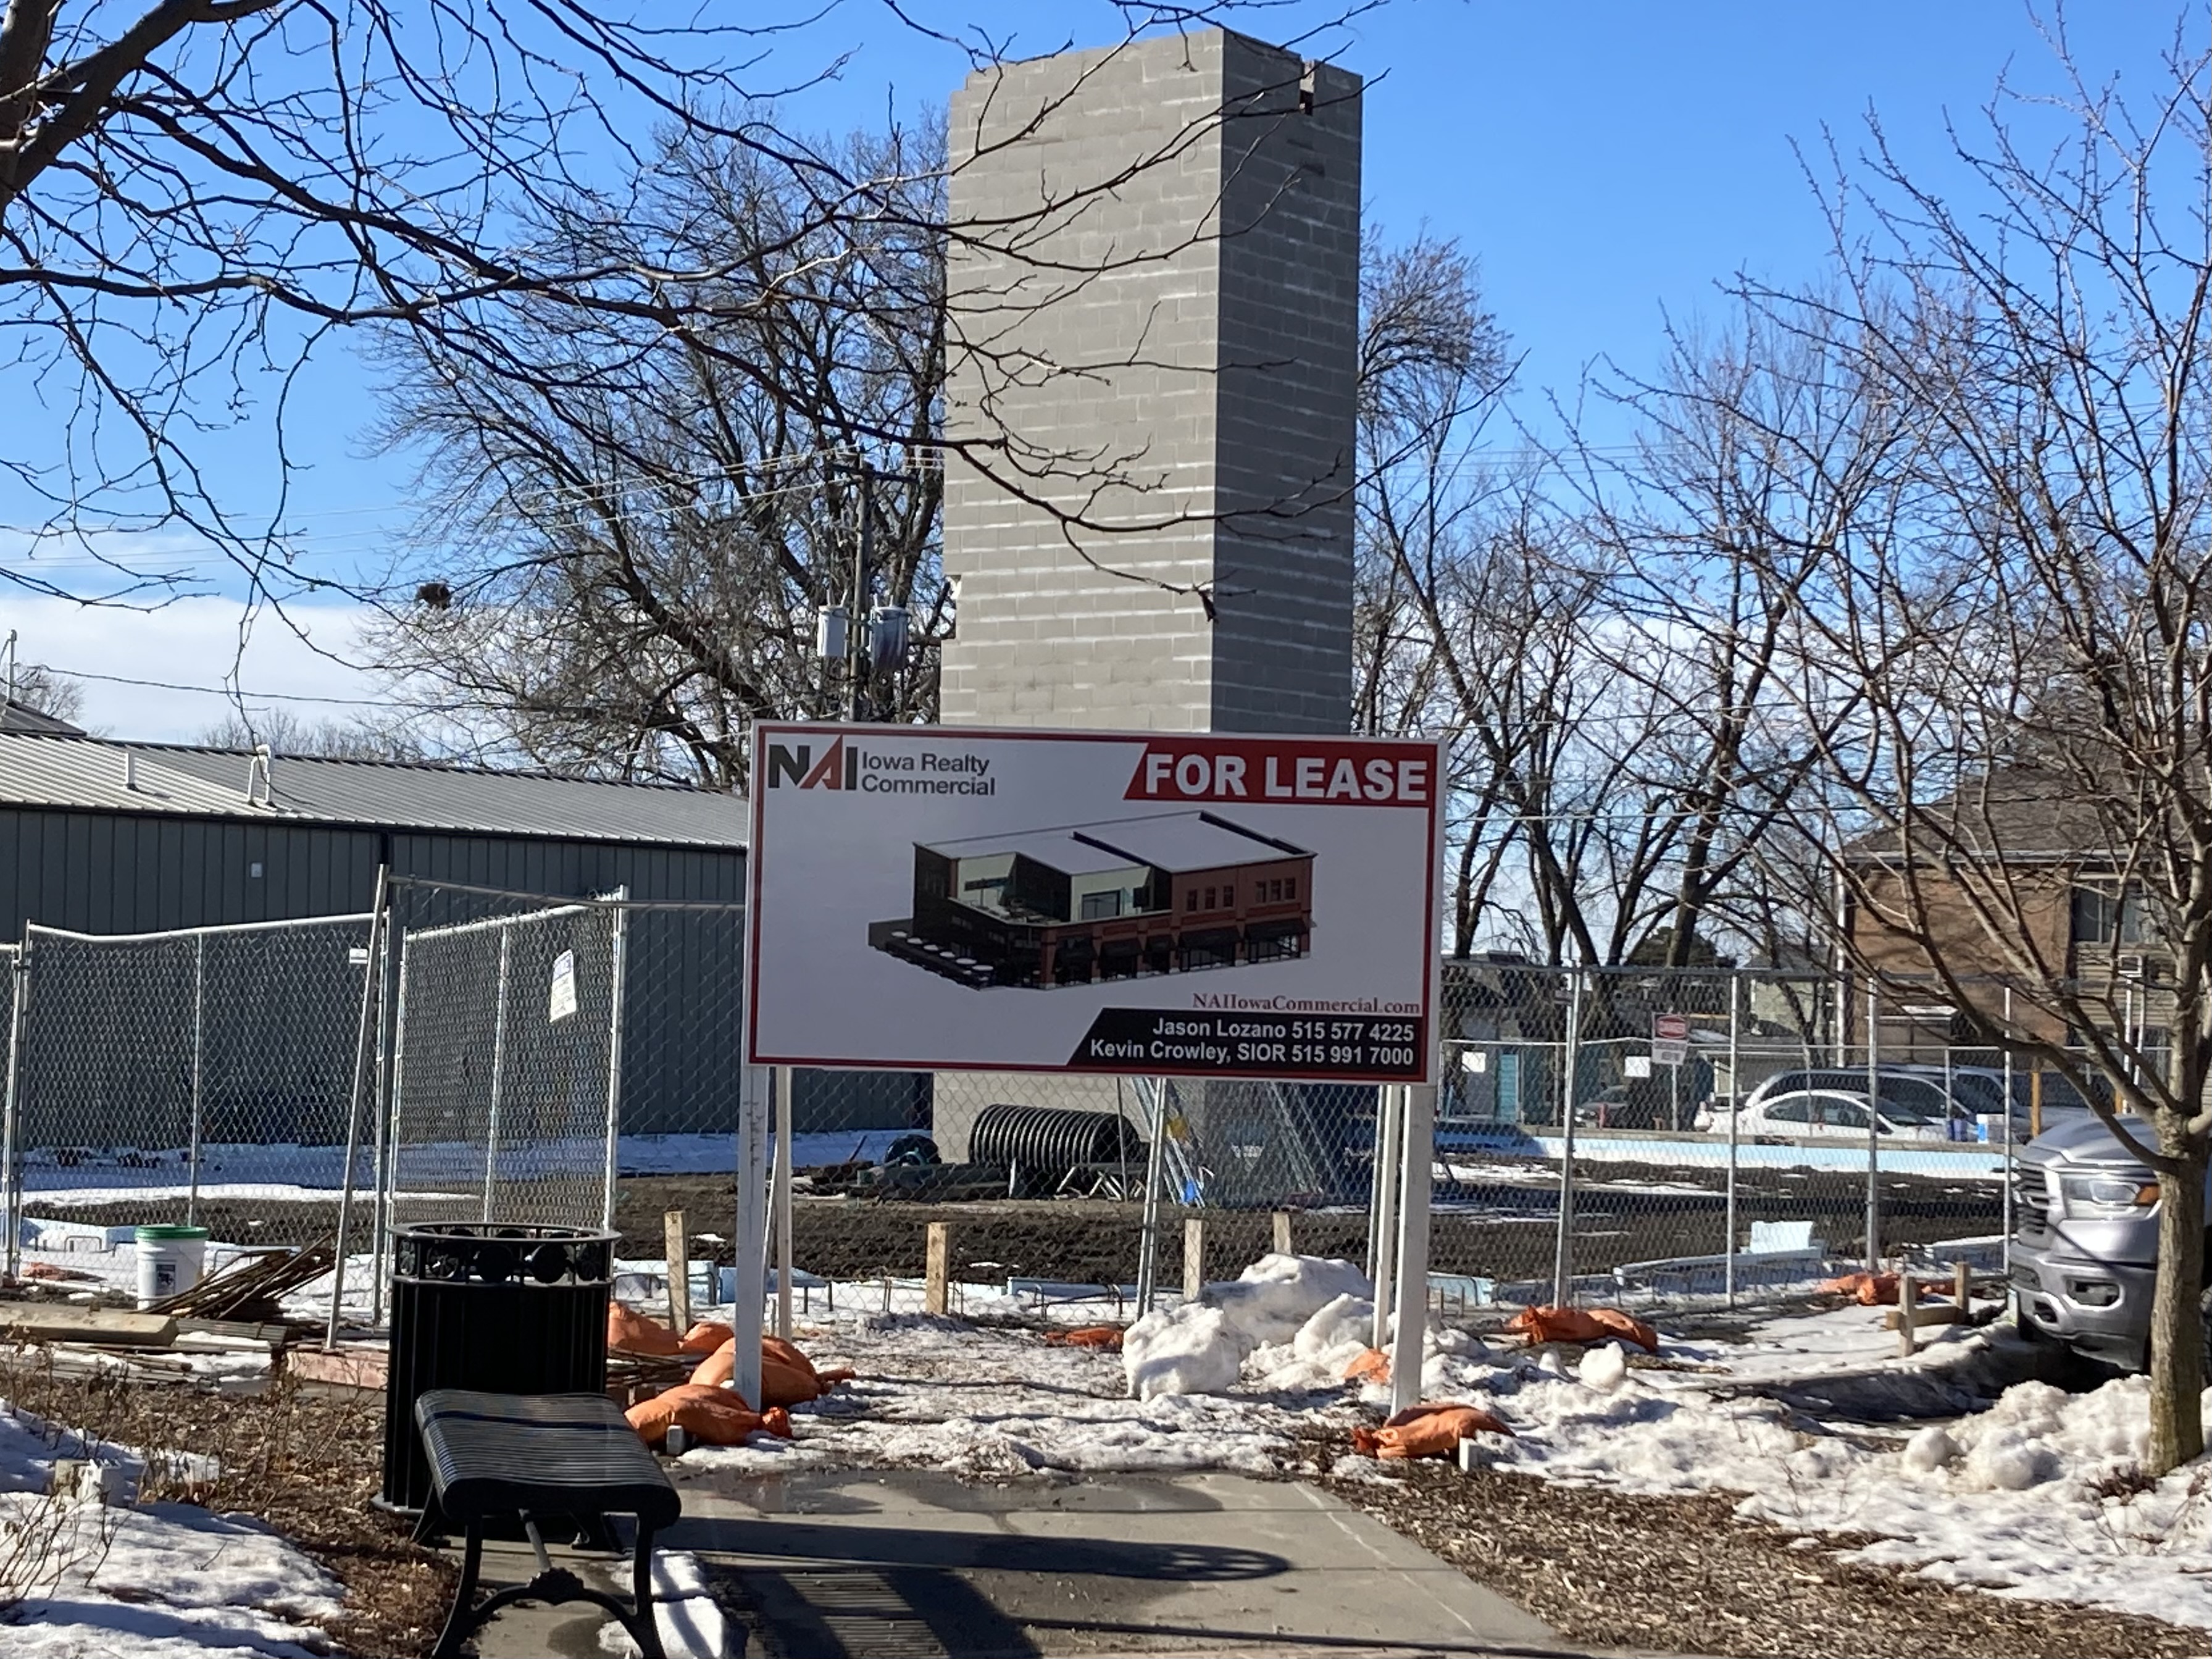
(164, 1579)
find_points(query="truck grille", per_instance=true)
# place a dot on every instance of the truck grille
(2031, 1198)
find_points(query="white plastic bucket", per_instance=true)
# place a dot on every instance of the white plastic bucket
(170, 1261)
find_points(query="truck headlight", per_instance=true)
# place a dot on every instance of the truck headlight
(2106, 1193)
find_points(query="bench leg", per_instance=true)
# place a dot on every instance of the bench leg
(646, 1629)
(553, 1585)
(462, 1618)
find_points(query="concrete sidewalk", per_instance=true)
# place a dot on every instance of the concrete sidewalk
(912, 1564)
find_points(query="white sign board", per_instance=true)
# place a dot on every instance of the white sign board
(1670, 1039)
(1144, 903)
(561, 1002)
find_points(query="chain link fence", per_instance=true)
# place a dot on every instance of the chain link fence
(201, 1076)
(1667, 1140)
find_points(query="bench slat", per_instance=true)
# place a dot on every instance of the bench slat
(568, 1453)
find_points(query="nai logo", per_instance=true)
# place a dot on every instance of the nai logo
(839, 768)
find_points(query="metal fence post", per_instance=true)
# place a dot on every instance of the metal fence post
(1390, 1112)
(199, 1063)
(366, 1043)
(1735, 1103)
(2008, 1183)
(11, 1138)
(1148, 1236)
(498, 1065)
(395, 1078)
(618, 982)
(1563, 1260)
(1381, 1185)
(1874, 1131)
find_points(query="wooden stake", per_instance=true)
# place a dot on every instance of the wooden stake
(937, 1270)
(1906, 1297)
(676, 1233)
(1193, 1258)
(1283, 1232)
(1962, 1287)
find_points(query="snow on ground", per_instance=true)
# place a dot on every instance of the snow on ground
(2033, 1497)
(163, 1580)
(977, 1401)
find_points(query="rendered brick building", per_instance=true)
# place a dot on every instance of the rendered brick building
(1170, 893)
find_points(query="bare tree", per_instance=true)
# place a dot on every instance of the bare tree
(633, 541)
(2028, 628)
(43, 691)
(286, 733)
(196, 195)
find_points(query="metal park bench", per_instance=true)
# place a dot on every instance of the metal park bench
(493, 1456)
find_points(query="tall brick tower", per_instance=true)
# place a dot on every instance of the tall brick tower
(1154, 293)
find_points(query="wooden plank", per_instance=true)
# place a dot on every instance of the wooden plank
(1193, 1258)
(937, 1269)
(66, 1321)
(676, 1232)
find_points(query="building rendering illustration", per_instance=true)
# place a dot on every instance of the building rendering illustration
(1077, 903)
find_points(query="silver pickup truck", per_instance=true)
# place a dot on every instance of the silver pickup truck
(2085, 1244)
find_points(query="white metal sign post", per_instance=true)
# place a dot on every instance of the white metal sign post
(1136, 903)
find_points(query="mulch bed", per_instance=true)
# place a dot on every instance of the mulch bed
(1687, 1575)
(306, 1464)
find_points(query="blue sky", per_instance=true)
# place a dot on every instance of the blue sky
(1607, 162)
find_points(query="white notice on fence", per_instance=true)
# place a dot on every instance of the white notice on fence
(564, 987)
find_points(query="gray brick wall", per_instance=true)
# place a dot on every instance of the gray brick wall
(1153, 299)
(1153, 292)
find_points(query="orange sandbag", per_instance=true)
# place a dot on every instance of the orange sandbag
(1582, 1325)
(1879, 1290)
(1086, 1336)
(1426, 1431)
(705, 1337)
(710, 1415)
(633, 1332)
(1627, 1328)
(787, 1377)
(1368, 1365)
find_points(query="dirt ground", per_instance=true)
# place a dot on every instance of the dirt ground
(306, 1464)
(1089, 1242)
(1654, 1575)
(1660, 1574)
(1494, 1228)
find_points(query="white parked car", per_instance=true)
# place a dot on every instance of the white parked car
(1822, 1113)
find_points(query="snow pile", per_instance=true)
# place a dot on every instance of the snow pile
(161, 1578)
(2037, 1496)
(991, 1403)
(1200, 1347)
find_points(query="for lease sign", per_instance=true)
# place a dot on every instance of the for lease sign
(958, 897)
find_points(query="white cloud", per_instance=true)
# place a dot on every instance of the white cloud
(194, 643)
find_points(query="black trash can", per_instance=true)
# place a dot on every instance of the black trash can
(494, 1306)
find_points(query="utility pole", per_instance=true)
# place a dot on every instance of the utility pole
(857, 634)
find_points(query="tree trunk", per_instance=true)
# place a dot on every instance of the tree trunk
(2177, 1340)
